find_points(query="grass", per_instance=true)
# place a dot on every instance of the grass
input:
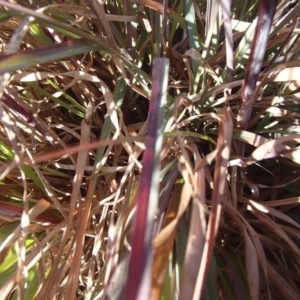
(148, 150)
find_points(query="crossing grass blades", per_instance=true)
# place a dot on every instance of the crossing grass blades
(149, 149)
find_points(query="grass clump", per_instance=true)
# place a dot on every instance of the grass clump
(148, 150)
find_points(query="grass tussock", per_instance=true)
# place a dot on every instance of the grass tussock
(149, 150)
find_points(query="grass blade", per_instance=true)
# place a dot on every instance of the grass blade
(258, 48)
(139, 270)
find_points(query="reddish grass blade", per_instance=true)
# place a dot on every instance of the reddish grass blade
(258, 48)
(13, 211)
(139, 272)
(251, 267)
(228, 38)
(24, 113)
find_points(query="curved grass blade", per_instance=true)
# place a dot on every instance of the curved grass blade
(223, 148)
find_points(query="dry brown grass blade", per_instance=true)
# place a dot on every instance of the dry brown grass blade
(74, 149)
(14, 136)
(110, 104)
(281, 284)
(155, 6)
(197, 232)
(98, 7)
(217, 90)
(258, 232)
(171, 227)
(273, 212)
(84, 208)
(277, 146)
(211, 16)
(194, 250)
(114, 278)
(162, 250)
(190, 189)
(78, 234)
(224, 147)
(85, 12)
(275, 228)
(252, 267)
(255, 239)
(279, 202)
